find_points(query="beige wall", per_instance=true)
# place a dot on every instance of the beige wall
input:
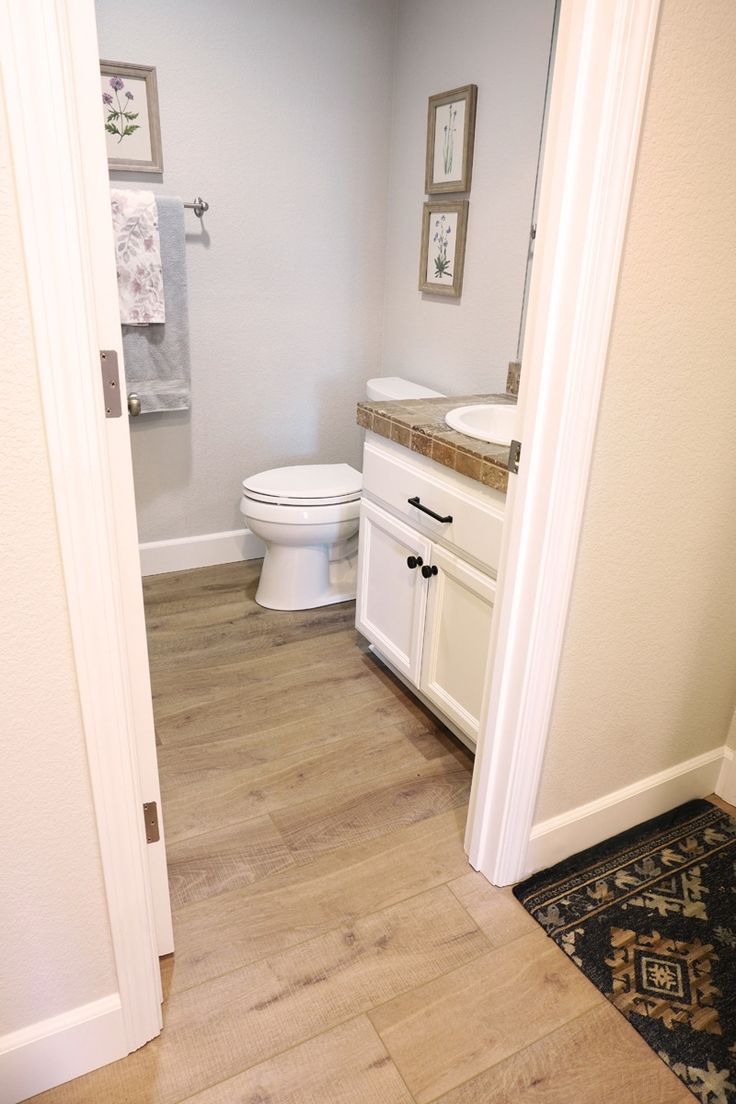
(648, 676)
(54, 934)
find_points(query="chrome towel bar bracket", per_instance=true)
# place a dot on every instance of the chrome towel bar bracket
(199, 206)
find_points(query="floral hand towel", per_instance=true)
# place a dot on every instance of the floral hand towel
(137, 257)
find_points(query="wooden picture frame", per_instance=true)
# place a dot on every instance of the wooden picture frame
(444, 229)
(132, 126)
(450, 140)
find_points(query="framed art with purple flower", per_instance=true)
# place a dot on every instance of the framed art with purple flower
(450, 139)
(443, 247)
(130, 114)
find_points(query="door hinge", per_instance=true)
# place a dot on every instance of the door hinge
(514, 457)
(110, 383)
(150, 819)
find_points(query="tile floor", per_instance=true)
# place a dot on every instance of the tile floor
(333, 945)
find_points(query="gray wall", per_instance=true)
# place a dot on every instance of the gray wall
(283, 116)
(277, 114)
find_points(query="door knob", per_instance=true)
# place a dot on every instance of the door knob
(134, 404)
(414, 561)
(428, 571)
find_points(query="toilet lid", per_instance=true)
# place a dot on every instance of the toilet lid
(304, 484)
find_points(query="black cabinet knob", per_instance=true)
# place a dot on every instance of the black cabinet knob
(428, 571)
(414, 561)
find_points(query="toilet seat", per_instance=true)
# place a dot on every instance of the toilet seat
(298, 515)
(305, 485)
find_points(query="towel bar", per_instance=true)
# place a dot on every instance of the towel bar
(199, 206)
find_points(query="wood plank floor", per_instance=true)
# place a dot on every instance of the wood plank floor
(332, 944)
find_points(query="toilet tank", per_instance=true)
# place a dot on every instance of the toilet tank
(385, 388)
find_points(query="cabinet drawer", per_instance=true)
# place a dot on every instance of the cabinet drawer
(477, 521)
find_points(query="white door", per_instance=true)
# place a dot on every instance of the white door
(392, 593)
(96, 213)
(457, 636)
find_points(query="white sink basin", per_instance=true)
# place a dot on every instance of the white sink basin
(494, 422)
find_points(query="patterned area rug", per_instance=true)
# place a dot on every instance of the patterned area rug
(650, 918)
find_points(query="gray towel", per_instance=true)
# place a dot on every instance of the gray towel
(157, 355)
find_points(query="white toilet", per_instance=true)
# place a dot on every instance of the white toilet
(307, 516)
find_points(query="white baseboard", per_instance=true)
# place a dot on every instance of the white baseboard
(726, 786)
(56, 1050)
(561, 836)
(207, 550)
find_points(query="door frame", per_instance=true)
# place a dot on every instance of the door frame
(602, 64)
(598, 92)
(63, 206)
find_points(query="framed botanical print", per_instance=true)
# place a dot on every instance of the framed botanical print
(444, 227)
(450, 138)
(130, 106)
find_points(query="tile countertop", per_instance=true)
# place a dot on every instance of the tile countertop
(419, 425)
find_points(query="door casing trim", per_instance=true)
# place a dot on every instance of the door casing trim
(601, 72)
(44, 47)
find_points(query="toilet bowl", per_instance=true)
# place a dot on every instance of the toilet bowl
(307, 516)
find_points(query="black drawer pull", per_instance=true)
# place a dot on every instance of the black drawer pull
(426, 510)
(428, 571)
(414, 561)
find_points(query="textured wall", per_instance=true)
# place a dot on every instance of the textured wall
(54, 934)
(503, 47)
(648, 675)
(277, 113)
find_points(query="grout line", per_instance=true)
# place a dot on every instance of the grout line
(285, 1050)
(522, 1050)
(366, 1013)
(330, 931)
(492, 949)
(390, 1056)
(353, 674)
(412, 769)
(207, 740)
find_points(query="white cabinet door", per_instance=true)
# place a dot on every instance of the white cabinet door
(391, 597)
(457, 637)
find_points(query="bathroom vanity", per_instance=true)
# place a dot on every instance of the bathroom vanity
(431, 523)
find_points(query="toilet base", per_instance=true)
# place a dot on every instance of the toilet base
(305, 578)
